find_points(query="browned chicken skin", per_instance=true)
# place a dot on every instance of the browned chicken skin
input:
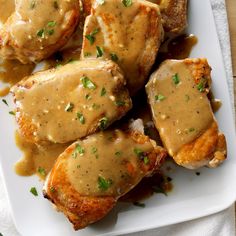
(177, 94)
(71, 101)
(38, 28)
(88, 178)
(129, 35)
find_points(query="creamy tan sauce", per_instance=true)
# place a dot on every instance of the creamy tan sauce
(63, 109)
(183, 112)
(6, 9)
(111, 156)
(11, 72)
(124, 31)
(36, 159)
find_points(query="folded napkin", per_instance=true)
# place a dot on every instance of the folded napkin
(220, 224)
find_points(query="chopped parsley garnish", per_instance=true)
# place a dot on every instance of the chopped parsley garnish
(139, 204)
(159, 189)
(69, 107)
(87, 54)
(4, 101)
(103, 92)
(120, 103)
(100, 51)
(146, 160)
(159, 97)
(32, 4)
(87, 83)
(191, 129)
(127, 3)
(34, 191)
(50, 32)
(104, 184)
(78, 151)
(100, 2)
(103, 123)
(95, 106)
(175, 79)
(88, 97)
(114, 57)
(41, 33)
(200, 86)
(42, 171)
(55, 5)
(81, 118)
(91, 37)
(52, 189)
(51, 23)
(138, 152)
(12, 113)
(118, 153)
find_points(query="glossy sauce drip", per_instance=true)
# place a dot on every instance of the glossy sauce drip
(36, 159)
(59, 118)
(6, 9)
(11, 72)
(110, 155)
(183, 112)
(177, 48)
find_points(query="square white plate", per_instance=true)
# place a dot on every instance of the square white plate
(192, 197)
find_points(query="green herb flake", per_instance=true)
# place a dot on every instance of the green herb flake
(114, 57)
(159, 189)
(87, 83)
(104, 184)
(120, 103)
(127, 3)
(103, 123)
(94, 150)
(100, 51)
(52, 189)
(41, 171)
(78, 151)
(87, 54)
(32, 5)
(103, 92)
(146, 160)
(50, 32)
(95, 106)
(34, 191)
(176, 79)
(139, 204)
(81, 118)
(4, 101)
(191, 129)
(159, 97)
(51, 23)
(118, 153)
(12, 113)
(200, 87)
(138, 152)
(41, 33)
(69, 107)
(88, 97)
(91, 36)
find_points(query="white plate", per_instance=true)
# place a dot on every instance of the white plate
(193, 196)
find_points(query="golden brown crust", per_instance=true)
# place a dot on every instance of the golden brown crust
(85, 210)
(211, 144)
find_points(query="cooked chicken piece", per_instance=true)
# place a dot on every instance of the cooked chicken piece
(71, 101)
(182, 113)
(128, 34)
(174, 14)
(88, 178)
(37, 29)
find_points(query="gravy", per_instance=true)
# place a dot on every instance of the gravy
(108, 155)
(181, 112)
(6, 9)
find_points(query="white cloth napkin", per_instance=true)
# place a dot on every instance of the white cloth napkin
(220, 224)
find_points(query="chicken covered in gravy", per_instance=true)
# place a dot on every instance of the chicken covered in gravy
(71, 101)
(177, 93)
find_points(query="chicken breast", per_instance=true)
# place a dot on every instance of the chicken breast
(71, 101)
(129, 34)
(177, 94)
(37, 29)
(173, 13)
(88, 178)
